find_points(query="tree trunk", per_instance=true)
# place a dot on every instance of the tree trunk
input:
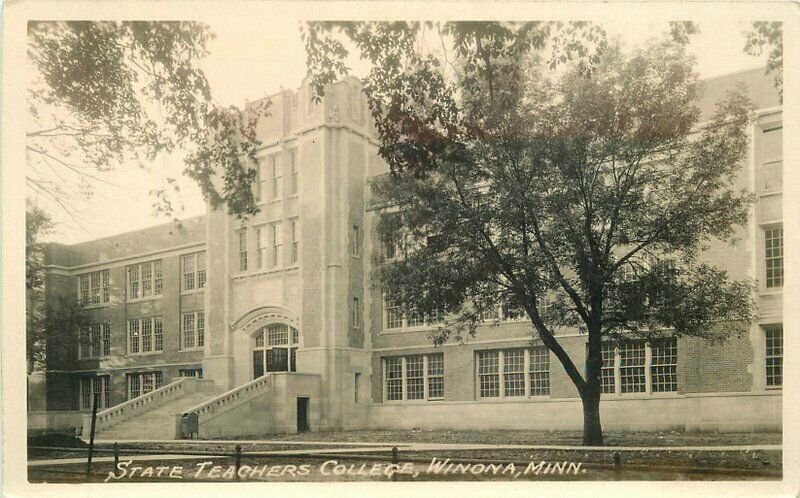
(592, 430)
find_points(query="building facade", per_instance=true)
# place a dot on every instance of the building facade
(291, 292)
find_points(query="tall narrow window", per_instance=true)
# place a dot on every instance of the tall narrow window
(774, 356)
(294, 255)
(356, 316)
(415, 377)
(489, 373)
(514, 372)
(277, 178)
(243, 250)
(773, 239)
(192, 330)
(258, 190)
(394, 314)
(355, 241)
(632, 367)
(436, 376)
(664, 365)
(277, 244)
(539, 371)
(394, 379)
(293, 180)
(607, 376)
(193, 271)
(261, 248)
(187, 262)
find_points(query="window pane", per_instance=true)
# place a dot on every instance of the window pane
(278, 335)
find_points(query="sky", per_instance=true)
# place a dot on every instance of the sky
(256, 56)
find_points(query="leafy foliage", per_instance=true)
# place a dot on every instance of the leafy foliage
(52, 326)
(568, 187)
(768, 35)
(106, 93)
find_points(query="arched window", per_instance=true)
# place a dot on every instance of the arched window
(275, 349)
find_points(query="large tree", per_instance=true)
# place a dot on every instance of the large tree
(531, 162)
(109, 94)
(52, 325)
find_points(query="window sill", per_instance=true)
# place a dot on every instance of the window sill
(412, 402)
(144, 299)
(192, 350)
(192, 292)
(149, 353)
(262, 273)
(94, 358)
(772, 291)
(514, 399)
(96, 306)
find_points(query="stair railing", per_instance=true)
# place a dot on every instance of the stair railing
(132, 407)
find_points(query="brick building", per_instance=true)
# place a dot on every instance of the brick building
(189, 316)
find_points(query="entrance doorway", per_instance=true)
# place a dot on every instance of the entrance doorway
(302, 414)
(275, 350)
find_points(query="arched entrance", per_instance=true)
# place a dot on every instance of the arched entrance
(274, 349)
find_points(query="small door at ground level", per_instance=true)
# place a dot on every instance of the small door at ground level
(302, 414)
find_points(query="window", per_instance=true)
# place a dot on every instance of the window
(394, 315)
(394, 244)
(144, 280)
(664, 366)
(397, 317)
(510, 373)
(261, 247)
(145, 335)
(607, 375)
(95, 341)
(193, 270)
(774, 356)
(773, 239)
(97, 385)
(275, 349)
(258, 193)
(355, 241)
(632, 367)
(243, 250)
(293, 178)
(539, 371)
(414, 377)
(277, 244)
(513, 312)
(770, 159)
(277, 177)
(294, 254)
(638, 366)
(142, 383)
(356, 313)
(94, 288)
(192, 330)
(191, 372)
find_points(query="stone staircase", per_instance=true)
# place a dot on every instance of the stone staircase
(157, 423)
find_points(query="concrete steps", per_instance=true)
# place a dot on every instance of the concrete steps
(158, 423)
